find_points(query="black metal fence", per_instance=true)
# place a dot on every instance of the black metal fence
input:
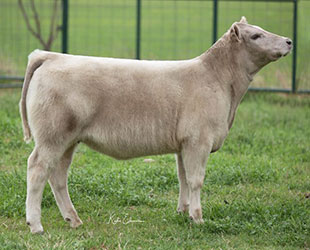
(156, 29)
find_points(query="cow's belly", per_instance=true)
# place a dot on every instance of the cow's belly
(123, 140)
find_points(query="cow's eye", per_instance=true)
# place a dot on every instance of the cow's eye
(256, 36)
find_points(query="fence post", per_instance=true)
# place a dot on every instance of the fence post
(138, 29)
(294, 71)
(64, 27)
(215, 11)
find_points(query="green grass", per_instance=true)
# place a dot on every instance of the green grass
(169, 30)
(253, 196)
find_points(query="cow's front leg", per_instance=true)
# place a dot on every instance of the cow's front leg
(183, 202)
(194, 158)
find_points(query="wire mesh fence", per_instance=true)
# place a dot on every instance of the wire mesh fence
(303, 41)
(16, 40)
(154, 29)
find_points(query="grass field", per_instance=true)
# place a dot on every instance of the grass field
(254, 196)
(169, 30)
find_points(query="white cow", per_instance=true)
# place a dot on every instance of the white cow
(129, 108)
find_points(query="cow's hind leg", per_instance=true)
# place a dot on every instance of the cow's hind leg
(39, 163)
(194, 159)
(183, 203)
(58, 182)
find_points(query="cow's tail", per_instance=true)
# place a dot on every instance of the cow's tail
(35, 60)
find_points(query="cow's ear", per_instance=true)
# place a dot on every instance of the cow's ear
(243, 20)
(235, 33)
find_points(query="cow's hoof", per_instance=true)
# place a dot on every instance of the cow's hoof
(197, 221)
(75, 223)
(196, 216)
(35, 229)
(183, 208)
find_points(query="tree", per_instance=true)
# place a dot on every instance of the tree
(36, 31)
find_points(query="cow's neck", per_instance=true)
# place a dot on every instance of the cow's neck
(229, 68)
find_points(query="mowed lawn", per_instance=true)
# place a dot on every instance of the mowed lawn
(255, 196)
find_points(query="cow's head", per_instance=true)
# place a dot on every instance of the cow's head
(259, 46)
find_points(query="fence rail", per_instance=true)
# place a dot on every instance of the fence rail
(139, 17)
